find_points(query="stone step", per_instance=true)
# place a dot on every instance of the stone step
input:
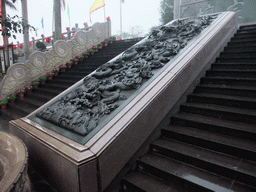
(63, 81)
(34, 102)
(180, 174)
(48, 92)
(240, 66)
(252, 30)
(70, 77)
(248, 27)
(249, 82)
(224, 100)
(243, 35)
(240, 49)
(242, 44)
(235, 146)
(235, 60)
(22, 108)
(230, 115)
(226, 90)
(243, 39)
(139, 181)
(238, 73)
(242, 170)
(245, 55)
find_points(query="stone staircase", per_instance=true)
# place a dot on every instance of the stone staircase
(210, 144)
(38, 97)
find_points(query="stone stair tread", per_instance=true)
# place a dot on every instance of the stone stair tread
(148, 183)
(248, 32)
(23, 108)
(230, 141)
(212, 157)
(55, 86)
(190, 174)
(40, 96)
(244, 39)
(234, 64)
(235, 60)
(227, 87)
(61, 81)
(247, 27)
(233, 70)
(207, 120)
(46, 89)
(231, 97)
(32, 101)
(242, 44)
(229, 78)
(239, 47)
(9, 114)
(222, 108)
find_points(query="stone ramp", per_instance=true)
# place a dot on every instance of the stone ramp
(210, 143)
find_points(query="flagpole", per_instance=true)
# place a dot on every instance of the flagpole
(104, 13)
(121, 35)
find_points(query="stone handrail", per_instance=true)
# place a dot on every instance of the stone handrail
(39, 63)
(69, 34)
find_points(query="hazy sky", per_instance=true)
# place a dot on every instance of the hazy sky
(134, 13)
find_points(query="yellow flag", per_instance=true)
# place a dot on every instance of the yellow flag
(96, 5)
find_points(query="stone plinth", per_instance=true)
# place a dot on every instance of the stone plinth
(92, 166)
(13, 164)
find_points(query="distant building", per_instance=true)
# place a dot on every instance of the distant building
(246, 9)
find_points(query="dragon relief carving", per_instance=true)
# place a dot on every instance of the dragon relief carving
(102, 92)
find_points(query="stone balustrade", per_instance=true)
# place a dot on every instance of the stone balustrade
(39, 63)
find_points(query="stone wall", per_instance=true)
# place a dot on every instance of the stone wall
(246, 9)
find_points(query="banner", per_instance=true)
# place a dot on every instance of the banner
(96, 5)
(68, 12)
(42, 21)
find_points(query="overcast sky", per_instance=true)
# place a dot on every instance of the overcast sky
(145, 14)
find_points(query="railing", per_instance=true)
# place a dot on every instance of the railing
(22, 74)
(47, 40)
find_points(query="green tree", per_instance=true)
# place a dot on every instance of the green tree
(166, 10)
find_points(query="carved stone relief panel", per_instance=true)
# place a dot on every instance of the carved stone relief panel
(104, 91)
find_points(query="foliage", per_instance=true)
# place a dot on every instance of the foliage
(63, 66)
(49, 74)
(166, 10)
(35, 83)
(91, 50)
(42, 78)
(20, 91)
(11, 97)
(69, 63)
(40, 45)
(28, 87)
(13, 25)
(4, 102)
(55, 70)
